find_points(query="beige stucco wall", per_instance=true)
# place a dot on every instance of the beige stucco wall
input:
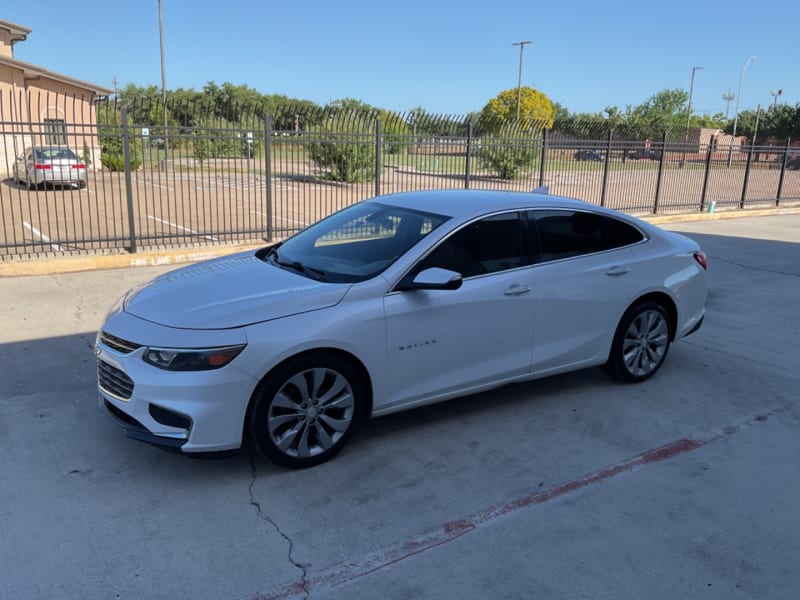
(26, 103)
(6, 49)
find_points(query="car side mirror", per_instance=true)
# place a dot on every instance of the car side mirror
(434, 278)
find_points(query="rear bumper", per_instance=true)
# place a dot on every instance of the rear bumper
(697, 326)
(76, 178)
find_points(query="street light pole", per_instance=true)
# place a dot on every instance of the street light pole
(736, 118)
(739, 94)
(519, 79)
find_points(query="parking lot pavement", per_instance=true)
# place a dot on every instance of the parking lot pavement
(571, 487)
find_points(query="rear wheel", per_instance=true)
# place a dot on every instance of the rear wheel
(640, 344)
(307, 409)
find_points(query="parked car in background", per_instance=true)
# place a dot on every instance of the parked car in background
(589, 155)
(392, 303)
(644, 154)
(55, 165)
(793, 162)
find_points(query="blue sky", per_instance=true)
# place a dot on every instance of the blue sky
(450, 57)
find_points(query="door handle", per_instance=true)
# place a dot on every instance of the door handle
(617, 270)
(517, 290)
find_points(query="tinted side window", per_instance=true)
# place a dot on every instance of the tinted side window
(566, 233)
(622, 234)
(486, 246)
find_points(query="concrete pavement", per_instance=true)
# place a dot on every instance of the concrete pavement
(570, 487)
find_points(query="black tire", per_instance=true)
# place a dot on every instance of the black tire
(306, 410)
(641, 343)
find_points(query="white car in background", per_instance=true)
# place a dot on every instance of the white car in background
(55, 165)
(392, 303)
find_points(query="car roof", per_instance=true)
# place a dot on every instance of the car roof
(465, 204)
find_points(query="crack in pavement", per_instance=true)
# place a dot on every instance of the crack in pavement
(266, 518)
(737, 264)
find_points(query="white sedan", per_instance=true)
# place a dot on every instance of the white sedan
(392, 303)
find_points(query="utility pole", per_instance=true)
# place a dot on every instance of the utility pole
(689, 116)
(163, 81)
(519, 79)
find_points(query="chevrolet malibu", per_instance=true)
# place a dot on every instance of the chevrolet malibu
(392, 303)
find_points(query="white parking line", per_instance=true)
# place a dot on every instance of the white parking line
(153, 183)
(255, 212)
(42, 236)
(163, 222)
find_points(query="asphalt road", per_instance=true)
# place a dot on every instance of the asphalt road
(686, 486)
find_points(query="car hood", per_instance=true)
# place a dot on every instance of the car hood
(229, 292)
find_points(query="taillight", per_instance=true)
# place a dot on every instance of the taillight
(701, 259)
(42, 167)
(79, 166)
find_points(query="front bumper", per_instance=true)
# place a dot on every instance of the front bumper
(188, 411)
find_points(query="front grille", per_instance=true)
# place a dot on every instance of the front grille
(118, 344)
(113, 381)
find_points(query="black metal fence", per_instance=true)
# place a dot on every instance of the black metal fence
(214, 177)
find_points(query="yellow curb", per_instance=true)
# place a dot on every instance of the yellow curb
(70, 264)
(716, 216)
(53, 265)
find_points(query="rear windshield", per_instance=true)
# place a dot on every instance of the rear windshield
(54, 153)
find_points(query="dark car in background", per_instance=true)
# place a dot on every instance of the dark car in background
(644, 154)
(589, 155)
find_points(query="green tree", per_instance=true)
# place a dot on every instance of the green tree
(535, 110)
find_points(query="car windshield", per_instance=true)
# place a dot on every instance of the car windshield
(54, 154)
(354, 244)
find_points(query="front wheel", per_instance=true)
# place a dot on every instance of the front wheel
(640, 344)
(307, 409)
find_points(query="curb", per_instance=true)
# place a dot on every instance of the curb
(718, 216)
(54, 265)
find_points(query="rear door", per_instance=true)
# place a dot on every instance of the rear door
(586, 275)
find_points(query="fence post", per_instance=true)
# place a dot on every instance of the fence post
(126, 154)
(605, 170)
(377, 157)
(783, 171)
(468, 166)
(544, 157)
(660, 175)
(705, 177)
(268, 171)
(747, 174)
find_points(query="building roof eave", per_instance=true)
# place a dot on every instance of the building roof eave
(31, 70)
(17, 33)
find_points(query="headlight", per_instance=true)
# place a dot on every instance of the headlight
(191, 359)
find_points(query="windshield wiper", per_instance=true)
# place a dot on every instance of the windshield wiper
(296, 265)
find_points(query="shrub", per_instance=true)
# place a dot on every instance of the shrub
(347, 148)
(114, 161)
(509, 152)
